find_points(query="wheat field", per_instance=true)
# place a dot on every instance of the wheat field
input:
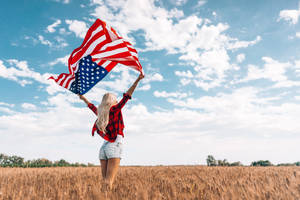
(158, 182)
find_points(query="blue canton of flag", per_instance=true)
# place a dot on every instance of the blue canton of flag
(88, 75)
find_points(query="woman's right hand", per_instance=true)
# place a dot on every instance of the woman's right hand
(141, 76)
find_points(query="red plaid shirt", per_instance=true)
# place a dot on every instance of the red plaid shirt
(115, 125)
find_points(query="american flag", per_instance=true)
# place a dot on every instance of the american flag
(101, 50)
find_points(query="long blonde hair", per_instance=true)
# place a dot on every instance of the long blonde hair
(108, 100)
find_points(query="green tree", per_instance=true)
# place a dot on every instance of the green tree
(238, 163)
(211, 161)
(263, 163)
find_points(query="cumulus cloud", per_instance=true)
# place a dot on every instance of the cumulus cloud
(178, 2)
(51, 28)
(227, 118)
(62, 60)
(78, 27)
(20, 72)
(44, 41)
(63, 1)
(272, 70)
(240, 58)
(199, 44)
(165, 94)
(289, 15)
(28, 106)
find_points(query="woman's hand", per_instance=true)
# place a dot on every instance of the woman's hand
(132, 88)
(141, 76)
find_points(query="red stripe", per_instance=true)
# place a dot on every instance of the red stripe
(110, 66)
(87, 36)
(78, 55)
(110, 48)
(67, 85)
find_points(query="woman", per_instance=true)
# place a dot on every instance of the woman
(109, 126)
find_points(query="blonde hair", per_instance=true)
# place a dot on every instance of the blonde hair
(108, 100)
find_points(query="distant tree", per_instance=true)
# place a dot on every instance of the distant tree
(63, 163)
(16, 161)
(263, 163)
(223, 162)
(286, 164)
(236, 164)
(90, 165)
(211, 161)
(297, 163)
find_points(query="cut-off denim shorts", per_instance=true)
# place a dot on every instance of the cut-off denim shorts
(111, 149)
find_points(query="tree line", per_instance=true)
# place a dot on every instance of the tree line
(17, 161)
(211, 161)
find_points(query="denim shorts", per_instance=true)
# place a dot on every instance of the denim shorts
(111, 149)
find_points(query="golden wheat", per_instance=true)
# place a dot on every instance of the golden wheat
(162, 182)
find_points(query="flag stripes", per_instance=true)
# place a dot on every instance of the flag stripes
(106, 49)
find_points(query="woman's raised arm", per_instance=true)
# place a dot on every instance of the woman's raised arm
(84, 99)
(132, 88)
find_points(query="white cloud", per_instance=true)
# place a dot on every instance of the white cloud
(201, 42)
(23, 75)
(153, 77)
(298, 34)
(272, 70)
(51, 28)
(144, 87)
(200, 3)
(289, 15)
(62, 60)
(243, 44)
(6, 108)
(240, 58)
(78, 27)
(179, 2)
(7, 104)
(165, 94)
(63, 1)
(44, 41)
(187, 74)
(61, 42)
(29, 106)
(230, 120)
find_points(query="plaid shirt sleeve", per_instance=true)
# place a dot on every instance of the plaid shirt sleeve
(121, 104)
(93, 108)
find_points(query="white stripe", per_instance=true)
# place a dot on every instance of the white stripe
(66, 81)
(93, 33)
(69, 86)
(106, 63)
(110, 53)
(89, 50)
(61, 79)
(113, 43)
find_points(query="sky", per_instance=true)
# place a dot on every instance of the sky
(222, 79)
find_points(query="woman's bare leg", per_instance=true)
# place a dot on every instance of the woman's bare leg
(112, 169)
(103, 168)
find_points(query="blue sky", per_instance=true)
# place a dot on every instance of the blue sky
(222, 78)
